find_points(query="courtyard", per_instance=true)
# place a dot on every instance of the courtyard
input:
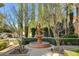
(39, 29)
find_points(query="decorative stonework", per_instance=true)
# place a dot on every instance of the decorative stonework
(39, 43)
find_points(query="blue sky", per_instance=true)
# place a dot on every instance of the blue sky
(9, 6)
(75, 10)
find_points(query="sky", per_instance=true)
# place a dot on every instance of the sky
(8, 7)
(75, 10)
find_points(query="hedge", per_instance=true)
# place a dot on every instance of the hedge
(71, 41)
(28, 40)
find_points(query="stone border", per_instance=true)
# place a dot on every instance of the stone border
(8, 50)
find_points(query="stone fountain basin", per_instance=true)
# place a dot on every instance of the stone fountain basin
(39, 44)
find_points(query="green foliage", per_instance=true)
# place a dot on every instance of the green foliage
(26, 19)
(71, 36)
(1, 30)
(33, 30)
(20, 19)
(7, 30)
(52, 41)
(32, 23)
(45, 29)
(71, 53)
(40, 13)
(2, 16)
(1, 4)
(76, 50)
(3, 44)
(45, 32)
(28, 40)
(71, 7)
(72, 41)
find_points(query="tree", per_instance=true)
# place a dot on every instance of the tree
(1, 4)
(26, 19)
(69, 9)
(20, 19)
(40, 15)
(1, 21)
(46, 19)
(32, 23)
(11, 20)
(33, 15)
(57, 17)
(1, 18)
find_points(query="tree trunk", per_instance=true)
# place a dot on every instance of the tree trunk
(67, 20)
(26, 19)
(20, 19)
(20, 27)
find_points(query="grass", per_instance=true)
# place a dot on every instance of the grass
(3, 44)
(77, 50)
(71, 52)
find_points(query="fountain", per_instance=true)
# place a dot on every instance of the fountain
(39, 43)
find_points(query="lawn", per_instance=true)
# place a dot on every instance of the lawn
(71, 52)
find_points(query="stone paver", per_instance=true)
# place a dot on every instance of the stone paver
(47, 51)
(38, 51)
(41, 51)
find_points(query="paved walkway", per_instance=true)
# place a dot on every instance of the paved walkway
(43, 51)
(39, 51)
(47, 51)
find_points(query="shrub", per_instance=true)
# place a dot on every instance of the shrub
(3, 44)
(72, 39)
(45, 31)
(33, 31)
(1, 30)
(28, 40)
(71, 36)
